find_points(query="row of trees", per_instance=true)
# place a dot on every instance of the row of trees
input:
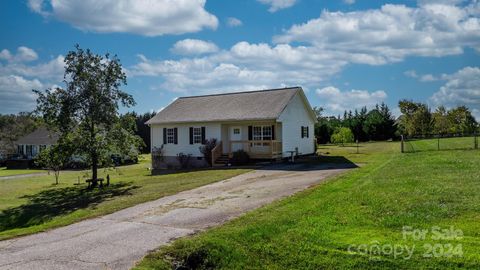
(14, 126)
(380, 124)
(376, 124)
(418, 119)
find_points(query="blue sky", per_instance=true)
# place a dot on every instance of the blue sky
(345, 54)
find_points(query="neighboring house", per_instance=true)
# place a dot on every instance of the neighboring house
(267, 124)
(31, 144)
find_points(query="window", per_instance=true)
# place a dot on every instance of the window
(257, 133)
(267, 133)
(236, 131)
(262, 133)
(304, 132)
(29, 150)
(197, 135)
(170, 135)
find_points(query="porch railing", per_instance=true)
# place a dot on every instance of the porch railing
(217, 152)
(258, 149)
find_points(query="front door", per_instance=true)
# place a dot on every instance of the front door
(236, 135)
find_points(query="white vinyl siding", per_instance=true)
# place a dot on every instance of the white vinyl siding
(212, 130)
(293, 118)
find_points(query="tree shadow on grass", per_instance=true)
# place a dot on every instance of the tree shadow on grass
(50, 203)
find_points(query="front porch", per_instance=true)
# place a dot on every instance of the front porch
(260, 140)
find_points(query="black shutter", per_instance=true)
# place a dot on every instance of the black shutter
(191, 135)
(307, 131)
(175, 135)
(203, 135)
(301, 130)
(250, 135)
(164, 135)
(273, 132)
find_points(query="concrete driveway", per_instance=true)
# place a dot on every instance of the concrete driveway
(118, 240)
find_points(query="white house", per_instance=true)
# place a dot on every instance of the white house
(267, 124)
(31, 144)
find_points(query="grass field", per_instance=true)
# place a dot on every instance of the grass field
(459, 143)
(362, 219)
(33, 204)
(9, 172)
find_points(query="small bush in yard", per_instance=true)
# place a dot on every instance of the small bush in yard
(240, 157)
(342, 136)
(206, 149)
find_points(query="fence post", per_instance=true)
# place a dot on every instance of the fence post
(475, 140)
(401, 145)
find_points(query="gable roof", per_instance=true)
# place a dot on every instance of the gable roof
(40, 136)
(251, 105)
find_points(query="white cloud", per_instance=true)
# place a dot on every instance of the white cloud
(337, 101)
(18, 76)
(194, 46)
(244, 67)
(233, 22)
(144, 17)
(424, 77)
(276, 5)
(24, 54)
(445, 2)
(16, 93)
(51, 70)
(391, 33)
(428, 78)
(5, 55)
(461, 88)
(38, 6)
(411, 73)
(310, 54)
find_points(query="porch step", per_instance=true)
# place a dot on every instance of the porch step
(223, 159)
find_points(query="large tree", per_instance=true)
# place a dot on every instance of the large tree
(143, 130)
(462, 120)
(417, 118)
(441, 121)
(87, 109)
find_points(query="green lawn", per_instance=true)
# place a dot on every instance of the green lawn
(340, 224)
(33, 204)
(9, 172)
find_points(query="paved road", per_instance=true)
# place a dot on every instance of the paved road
(118, 240)
(18, 176)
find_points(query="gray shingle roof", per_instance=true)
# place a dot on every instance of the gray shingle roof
(251, 105)
(40, 136)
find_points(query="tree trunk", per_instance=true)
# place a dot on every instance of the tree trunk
(94, 156)
(57, 175)
(94, 169)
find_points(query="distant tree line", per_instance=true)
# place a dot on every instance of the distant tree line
(14, 126)
(142, 130)
(366, 125)
(418, 119)
(377, 124)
